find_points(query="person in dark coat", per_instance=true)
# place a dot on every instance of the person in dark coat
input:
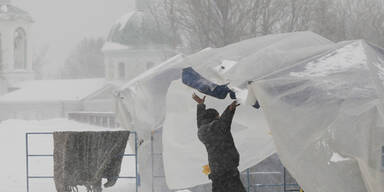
(214, 131)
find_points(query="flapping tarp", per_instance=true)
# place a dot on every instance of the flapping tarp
(147, 103)
(326, 117)
(184, 155)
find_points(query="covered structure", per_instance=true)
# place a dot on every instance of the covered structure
(333, 102)
(157, 99)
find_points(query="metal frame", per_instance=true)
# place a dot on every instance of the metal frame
(284, 185)
(27, 156)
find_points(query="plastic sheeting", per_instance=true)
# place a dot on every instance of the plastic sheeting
(184, 155)
(142, 106)
(326, 117)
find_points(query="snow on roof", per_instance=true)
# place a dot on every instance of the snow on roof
(112, 46)
(54, 90)
(50, 125)
(10, 12)
(351, 55)
(122, 21)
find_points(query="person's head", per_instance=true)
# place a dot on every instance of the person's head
(211, 114)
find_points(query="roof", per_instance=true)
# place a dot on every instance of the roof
(50, 125)
(54, 90)
(10, 12)
(112, 46)
(138, 29)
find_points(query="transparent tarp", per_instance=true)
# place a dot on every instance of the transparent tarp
(184, 155)
(326, 118)
(157, 99)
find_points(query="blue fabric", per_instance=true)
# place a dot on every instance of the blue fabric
(256, 105)
(193, 79)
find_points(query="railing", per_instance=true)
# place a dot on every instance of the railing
(103, 119)
(107, 119)
(283, 187)
(28, 156)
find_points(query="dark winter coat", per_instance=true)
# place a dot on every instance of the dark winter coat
(223, 157)
(215, 134)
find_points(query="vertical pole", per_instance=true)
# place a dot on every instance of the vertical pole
(137, 175)
(26, 160)
(284, 179)
(152, 161)
(248, 181)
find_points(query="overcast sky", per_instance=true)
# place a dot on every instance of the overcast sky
(61, 24)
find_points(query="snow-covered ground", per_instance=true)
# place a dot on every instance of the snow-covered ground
(13, 153)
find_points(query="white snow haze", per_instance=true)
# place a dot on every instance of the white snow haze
(61, 24)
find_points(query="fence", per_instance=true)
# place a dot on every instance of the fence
(28, 156)
(285, 186)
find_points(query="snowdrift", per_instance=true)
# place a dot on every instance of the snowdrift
(326, 118)
(157, 99)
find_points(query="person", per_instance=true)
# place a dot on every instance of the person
(214, 131)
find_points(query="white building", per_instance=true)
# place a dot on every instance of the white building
(15, 46)
(134, 45)
(131, 48)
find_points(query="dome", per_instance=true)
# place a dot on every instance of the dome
(10, 12)
(138, 29)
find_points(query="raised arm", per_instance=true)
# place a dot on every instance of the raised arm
(200, 114)
(200, 108)
(227, 116)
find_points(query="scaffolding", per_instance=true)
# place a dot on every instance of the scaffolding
(285, 186)
(28, 155)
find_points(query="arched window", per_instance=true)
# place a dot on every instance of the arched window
(20, 51)
(121, 71)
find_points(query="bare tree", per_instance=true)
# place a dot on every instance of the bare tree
(297, 15)
(216, 23)
(213, 23)
(86, 60)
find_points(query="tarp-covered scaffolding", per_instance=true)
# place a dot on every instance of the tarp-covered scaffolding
(157, 99)
(326, 117)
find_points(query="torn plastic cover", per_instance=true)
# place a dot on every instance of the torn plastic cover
(326, 117)
(144, 103)
(184, 155)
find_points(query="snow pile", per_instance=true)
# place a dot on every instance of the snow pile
(13, 148)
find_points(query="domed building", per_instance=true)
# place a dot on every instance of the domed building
(15, 46)
(135, 43)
